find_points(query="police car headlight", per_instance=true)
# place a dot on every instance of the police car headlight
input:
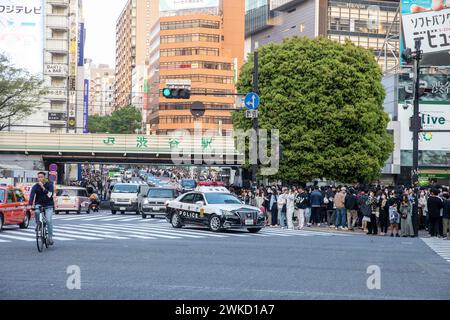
(226, 213)
(145, 201)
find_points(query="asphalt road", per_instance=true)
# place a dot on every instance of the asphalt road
(125, 257)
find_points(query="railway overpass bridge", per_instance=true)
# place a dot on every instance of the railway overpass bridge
(121, 148)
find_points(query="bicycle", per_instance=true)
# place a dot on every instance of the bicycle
(41, 231)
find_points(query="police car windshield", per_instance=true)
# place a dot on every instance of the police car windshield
(125, 188)
(221, 198)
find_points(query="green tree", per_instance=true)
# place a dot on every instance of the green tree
(326, 99)
(123, 121)
(98, 124)
(20, 93)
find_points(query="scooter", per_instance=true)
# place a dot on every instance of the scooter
(94, 206)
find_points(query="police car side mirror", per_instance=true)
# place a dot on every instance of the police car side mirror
(200, 203)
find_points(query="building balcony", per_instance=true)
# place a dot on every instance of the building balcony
(58, 3)
(58, 22)
(56, 45)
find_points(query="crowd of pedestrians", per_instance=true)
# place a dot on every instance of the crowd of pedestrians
(375, 210)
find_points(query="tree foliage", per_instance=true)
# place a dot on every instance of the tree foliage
(123, 121)
(326, 99)
(20, 93)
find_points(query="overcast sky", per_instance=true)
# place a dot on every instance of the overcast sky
(100, 18)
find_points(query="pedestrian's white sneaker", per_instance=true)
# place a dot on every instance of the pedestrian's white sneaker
(318, 224)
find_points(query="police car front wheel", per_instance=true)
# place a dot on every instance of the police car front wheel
(215, 223)
(176, 220)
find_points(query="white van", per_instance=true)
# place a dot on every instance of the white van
(126, 196)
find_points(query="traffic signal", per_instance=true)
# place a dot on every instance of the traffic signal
(176, 93)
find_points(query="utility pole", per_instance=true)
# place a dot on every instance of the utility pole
(255, 120)
(416, 127)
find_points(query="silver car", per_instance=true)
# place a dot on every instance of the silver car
(154, 203)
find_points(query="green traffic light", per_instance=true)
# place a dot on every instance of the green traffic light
(167, 92)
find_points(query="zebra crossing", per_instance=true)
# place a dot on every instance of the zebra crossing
(158, 231)
(441, 247)
(106, 217)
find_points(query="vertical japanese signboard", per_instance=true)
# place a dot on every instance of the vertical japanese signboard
(81, 38)
(429, 22)
(86, 106)
(73, 50)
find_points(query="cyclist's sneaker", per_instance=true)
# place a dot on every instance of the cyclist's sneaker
(50, 241)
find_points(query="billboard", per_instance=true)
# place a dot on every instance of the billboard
(434, 111)
(428, 21)
(174, 5)
(22, 33)
(433, 117)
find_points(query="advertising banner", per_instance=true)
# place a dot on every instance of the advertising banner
(428, 21)
(434, 110)
(86, 106)
(174, 5)
(22, 33)
(81, 38)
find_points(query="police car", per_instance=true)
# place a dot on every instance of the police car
(214, 207)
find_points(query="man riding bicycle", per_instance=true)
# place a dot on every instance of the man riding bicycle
(41, 200)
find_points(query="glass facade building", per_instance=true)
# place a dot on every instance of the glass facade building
(367, 24)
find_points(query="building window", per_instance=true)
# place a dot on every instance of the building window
(189, 24)
(174, 65)
(193, 37)
(189, 52)
(200, 78)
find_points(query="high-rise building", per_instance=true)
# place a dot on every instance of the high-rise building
(199, 45)
(101, 89)
(63, 64)
(63, 47)
(132, 43)
(372, 24)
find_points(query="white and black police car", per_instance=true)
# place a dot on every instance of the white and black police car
(214, 207)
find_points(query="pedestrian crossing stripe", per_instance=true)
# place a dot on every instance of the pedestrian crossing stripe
(439, 246)
(95, 232)
(107, 218)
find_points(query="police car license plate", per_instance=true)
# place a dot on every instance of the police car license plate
(155, 208)
(122, 208)
(248, 222)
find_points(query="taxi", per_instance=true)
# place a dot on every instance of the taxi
(14, 209)
(215, 208)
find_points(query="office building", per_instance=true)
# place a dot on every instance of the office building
(199, 47)
(132, 44)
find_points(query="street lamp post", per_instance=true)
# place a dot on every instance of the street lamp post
(409, 56)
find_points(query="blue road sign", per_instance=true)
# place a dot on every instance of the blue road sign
(251, 101)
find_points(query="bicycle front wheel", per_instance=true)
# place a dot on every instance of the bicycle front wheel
(39, 238)
(45, 235)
